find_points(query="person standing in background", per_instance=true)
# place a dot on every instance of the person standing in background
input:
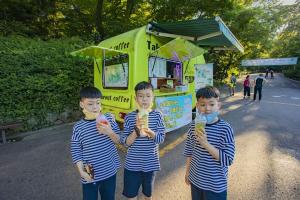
(247, 86)
(272, 74)
(258, 86)
(233, 84)
(267, 73)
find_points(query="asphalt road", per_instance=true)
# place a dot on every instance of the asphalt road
(266, 166)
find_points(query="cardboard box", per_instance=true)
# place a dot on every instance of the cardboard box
(181, 88)
(163, 89)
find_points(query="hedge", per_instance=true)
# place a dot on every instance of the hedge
(40, 80)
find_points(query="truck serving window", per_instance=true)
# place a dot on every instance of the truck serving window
(115, 72)
(161, 68)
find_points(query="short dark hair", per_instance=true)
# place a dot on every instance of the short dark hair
(208, 92)
(143, 86)
(90, 92)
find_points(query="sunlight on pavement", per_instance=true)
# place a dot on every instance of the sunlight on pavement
(172, 145)
(286, 170)
(282, 103)
(252, 158)
(164, 189)
(248, 118)
(231, 108)
(254, 170)
(253, 108)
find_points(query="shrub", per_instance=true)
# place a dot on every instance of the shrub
(40, 81)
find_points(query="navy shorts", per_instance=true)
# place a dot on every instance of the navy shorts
(105, 187)
(134, 179)
(199, 194)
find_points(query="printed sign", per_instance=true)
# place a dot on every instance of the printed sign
(119, 101)
(176, 110)
(203, 75)
(270, 62)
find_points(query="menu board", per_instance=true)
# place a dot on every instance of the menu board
(203, 75)
(116, 75)
(157, 67)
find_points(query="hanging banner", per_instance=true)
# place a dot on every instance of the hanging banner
(270, 62)
(176, 110)
(203, 75)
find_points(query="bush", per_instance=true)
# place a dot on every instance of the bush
(293, 73)
(40, 81)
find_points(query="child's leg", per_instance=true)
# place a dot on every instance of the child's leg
(147, 198)
(132, 183)
(209, 195)
(148, 184)
(107, 188)
(197, 193)
(90, 191)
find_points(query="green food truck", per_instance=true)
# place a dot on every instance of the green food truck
(164, 54)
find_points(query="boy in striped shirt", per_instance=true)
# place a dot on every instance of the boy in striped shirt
(209, 151)
(142, 159)
(93, 149)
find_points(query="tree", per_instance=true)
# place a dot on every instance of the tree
(287, 41)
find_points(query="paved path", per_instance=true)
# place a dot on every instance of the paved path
(266, 166)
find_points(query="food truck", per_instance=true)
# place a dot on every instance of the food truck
(164, 54)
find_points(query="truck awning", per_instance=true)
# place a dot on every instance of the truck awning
(203, 32)
(178, 49)
(96, 52)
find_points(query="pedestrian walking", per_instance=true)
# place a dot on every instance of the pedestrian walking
(233, 84)
(259, 81)
(272, 74)
(247, 86)
(267, 72)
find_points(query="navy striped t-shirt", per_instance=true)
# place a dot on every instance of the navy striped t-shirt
(92, 147)
(143, 154)
(206, 172)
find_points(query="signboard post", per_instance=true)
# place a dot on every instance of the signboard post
(176, 110)
(203, 75)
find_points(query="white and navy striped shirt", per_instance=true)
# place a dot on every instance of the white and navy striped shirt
(92, 147)
(143, 154)
(206, 172)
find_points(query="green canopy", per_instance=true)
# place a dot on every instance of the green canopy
(179, 49)
(203, 32)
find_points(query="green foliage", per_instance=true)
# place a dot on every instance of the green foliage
(293, 73)
(40, 80)
(287, 42)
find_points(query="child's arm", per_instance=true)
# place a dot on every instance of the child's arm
(112, 129)
(226, 153)
(187, 170)
(76, 152)
(107, 130)
(128, 137)
(82, 172)
(201, 138)
(188, 151)
(131, 138)
(160, 134)
(213, 151)
(227, 149)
